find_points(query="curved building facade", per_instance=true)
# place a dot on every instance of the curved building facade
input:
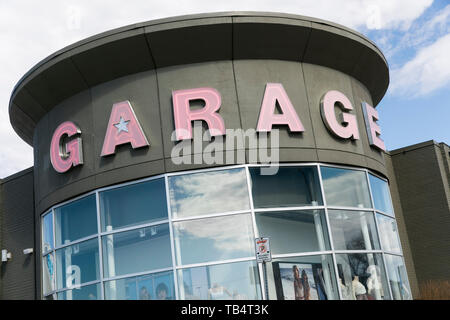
(164, 148)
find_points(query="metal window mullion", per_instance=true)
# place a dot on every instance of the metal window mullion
(212, 215)
(53, 251)
(288, 209)
(137, 227)
(262, 282)
(214, 263)
(172, 240)
(195, 171)
(100, 246)
(137, 274)
(330, 235)
(301, 254)
(78, 241)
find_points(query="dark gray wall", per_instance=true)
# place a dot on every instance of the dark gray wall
(421, 172)
(17, 276)
(241, 84)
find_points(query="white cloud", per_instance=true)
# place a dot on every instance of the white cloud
(429, 70)
(31, 30)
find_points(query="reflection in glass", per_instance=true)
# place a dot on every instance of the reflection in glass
(380, 194)
(397, 277)
(290, 187)
(209, 192)
(48, 273)
(47, 232)
(232, 281)
(134, 204)
(353, 230)
(90, 292)
(388, 234)
(362, 276)
(294, 231)
(345, 188)
(157, 286)
(211, 239)
(137, 251)
(76, 220)
(302, 278)
(77, 264)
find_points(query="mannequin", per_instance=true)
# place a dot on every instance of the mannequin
(346, 291)
(359, 289)
(374, 282)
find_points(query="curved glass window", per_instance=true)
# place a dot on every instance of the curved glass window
(76, 220)
(231, 281)
(89, 292)
(380, 194)
(210, 192)
(362, 276)
(345, 188)
(353, 230)
(398, 278)
(211, 239)
(148, 248)
(133, 205)
(388, 234)
(294, 231)
(47, 233)
(156, 286)
(302, 278)
(77, 264)
(295, 187)
(191, 235)
(48, 273)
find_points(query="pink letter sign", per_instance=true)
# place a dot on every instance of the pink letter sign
(373, 130)
(183, 115)
(275, 92)
(350, 130)
(64, 156)
(123, 127)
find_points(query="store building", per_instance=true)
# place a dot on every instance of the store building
(122, 202)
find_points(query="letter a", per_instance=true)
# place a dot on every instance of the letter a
(275, 92)
(123, 127)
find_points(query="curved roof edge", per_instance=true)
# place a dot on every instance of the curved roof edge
(193, 39)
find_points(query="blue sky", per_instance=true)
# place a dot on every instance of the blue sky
(414, 35)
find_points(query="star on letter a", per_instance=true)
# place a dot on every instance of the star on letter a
(122, 125)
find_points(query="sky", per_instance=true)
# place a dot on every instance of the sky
(414, 36)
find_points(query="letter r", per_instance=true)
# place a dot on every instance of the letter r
(183, 115)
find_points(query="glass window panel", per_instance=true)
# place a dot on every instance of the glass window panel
(90, 292)
(380, 194)
(134, 204)
(353, 230)
(157, 286)
(137, 251)
(48, 273)
(76, 220)
(47, 232)
(208, 192)
(290, 187)
(212, 239)
(302, 278)
(232, 281)
(362, 276)
(388, 234)
(398, 277)
(345, 188)
(294, 231)
(77, 264)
